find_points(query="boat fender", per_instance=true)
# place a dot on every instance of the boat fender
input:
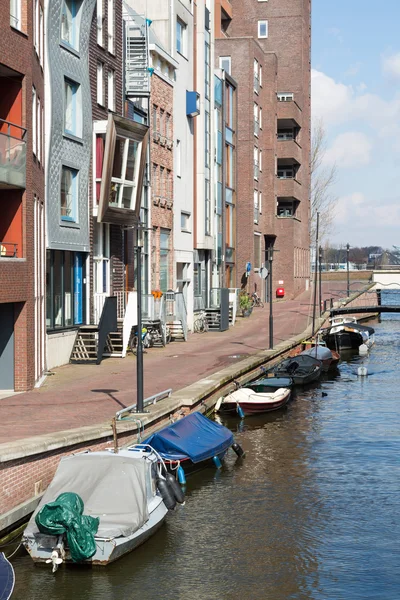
(363, 349)
(181, 475)
(175, 488)
(362, 371)
(217, 462)
(166, 493)
(240, 411)
(218, 404)
(238, 450)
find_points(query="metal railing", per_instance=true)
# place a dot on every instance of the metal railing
(12, 154)
(8, 250)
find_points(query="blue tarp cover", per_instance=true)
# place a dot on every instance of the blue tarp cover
(194, 437)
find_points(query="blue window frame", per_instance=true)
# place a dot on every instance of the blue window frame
(69, 194)
(69, 22)
(70, 107)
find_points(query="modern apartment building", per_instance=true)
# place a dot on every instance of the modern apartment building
(22, 281)
(265, 46)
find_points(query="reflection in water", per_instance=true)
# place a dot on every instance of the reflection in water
(310, 514)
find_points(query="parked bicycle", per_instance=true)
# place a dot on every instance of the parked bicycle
(133, 340)
(200, 324)
(256, 300)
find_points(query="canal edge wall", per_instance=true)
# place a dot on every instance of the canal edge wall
(27, 466)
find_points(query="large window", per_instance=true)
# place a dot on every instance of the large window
(72, 108)
(110, 26)
(34, 121)
(101, 258)
(181, 37)
(69, 194)
(257, 251)
(69, 22)
(100, 18)
(164, 259)
(225, 63)
(65, 298)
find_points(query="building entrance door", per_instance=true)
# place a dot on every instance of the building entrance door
(7, 346)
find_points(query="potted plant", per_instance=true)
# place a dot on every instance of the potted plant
(245, 304)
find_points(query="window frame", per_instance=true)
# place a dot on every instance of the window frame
(181, 27)
(222, 59)
(111, 90)
(73, 218)
(75, 87)
(111, 26)
(100, 84)
(260, 24)
(16, 19)
(34, 120)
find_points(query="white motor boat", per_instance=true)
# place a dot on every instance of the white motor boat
(120, 489)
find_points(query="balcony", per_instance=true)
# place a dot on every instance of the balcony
(12, 156)
(289, 113)
(288, 187)
(8, 250)
(289, 149)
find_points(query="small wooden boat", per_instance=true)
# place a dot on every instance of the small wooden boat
(302, 369)
(192, 443)
(121, 498)
(251, 402)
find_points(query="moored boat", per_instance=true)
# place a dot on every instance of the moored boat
(253, 403)
(192, 443)
(7, 577)
(270, 384)
(322, 353)
(302, 369)
(344, 333)
(119, 496)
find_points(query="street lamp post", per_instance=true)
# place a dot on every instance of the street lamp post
(320, 280)
(139, 347)
(271, 318)
(348, 272)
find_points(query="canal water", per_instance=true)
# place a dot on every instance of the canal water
(311, 513)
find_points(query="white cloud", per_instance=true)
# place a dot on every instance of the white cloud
(336, 103)
(349, 150)
(391, 66)
(349, 206)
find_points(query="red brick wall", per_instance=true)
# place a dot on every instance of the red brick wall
(161, 157)
(17, 279)
(284, 57)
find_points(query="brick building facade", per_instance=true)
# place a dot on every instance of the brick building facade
(266, 48)
(162, 182)
(22, 350)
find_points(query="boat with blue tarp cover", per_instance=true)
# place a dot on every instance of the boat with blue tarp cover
(192, 442)
(7, 578)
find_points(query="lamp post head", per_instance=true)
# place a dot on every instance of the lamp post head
(348, 247)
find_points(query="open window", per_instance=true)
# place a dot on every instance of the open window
(123, 171)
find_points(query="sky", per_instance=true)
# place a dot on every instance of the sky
(355, 90)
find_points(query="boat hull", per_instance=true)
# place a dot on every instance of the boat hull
(253, 408)
(343, 340)
(254, 403)
(40, 546)
(190, 467)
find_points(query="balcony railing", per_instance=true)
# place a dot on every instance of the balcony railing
(8, 250)
(12, 155)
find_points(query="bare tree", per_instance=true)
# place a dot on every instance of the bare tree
(323, 200)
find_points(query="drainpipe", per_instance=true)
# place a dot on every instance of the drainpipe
(194, 124)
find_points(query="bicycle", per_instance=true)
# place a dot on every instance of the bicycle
(146, 342)
(256, 300)
(200, 324)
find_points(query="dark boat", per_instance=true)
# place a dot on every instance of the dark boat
(301, 369)
(322, 353)
(7, 577)
(193, 443)
(344, 333)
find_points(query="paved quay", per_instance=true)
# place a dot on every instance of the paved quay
(82, 395)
